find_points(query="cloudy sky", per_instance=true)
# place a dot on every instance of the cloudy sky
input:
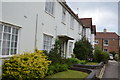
(104, 14)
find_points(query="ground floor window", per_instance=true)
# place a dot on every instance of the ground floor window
(105, 50)
(8, 39)
(70, 48)
(47, 42)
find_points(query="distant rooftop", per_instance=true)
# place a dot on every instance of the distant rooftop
(87, 22)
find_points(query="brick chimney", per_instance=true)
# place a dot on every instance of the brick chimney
(105, 30)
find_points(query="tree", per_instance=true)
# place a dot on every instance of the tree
(83, 49)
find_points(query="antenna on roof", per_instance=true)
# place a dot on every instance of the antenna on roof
(77, 11)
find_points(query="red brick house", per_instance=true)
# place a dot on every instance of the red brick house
(108, 41)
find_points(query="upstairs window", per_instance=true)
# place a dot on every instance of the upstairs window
(63, 14)
(79, 29)
(105, 42)
(71, 22)
(49, 6)
(8, 39)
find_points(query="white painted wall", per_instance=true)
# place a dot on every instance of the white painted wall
(88, 34)
(14, 12)
(93, 40)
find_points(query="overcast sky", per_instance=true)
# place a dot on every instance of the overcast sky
(103, 14)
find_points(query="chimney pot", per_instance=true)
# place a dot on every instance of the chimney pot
(105, 30)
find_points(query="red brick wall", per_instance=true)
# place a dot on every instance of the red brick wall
(112, 46)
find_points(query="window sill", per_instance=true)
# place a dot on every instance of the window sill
(106, 45)
(50, 14)
(5, 56)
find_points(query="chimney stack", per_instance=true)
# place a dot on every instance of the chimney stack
(105, 30)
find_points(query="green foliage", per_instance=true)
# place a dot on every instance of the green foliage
(83, 49)
(116, 57)
(99, 55)
(55, 54)
(26, 66)
(57, 68)
(105, 57)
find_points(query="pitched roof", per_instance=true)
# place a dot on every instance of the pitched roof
(87, 22)
(106, 35)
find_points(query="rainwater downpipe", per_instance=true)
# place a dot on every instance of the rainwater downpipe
(36, 31)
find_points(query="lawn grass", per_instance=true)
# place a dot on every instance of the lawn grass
(91, 63)
(69, 74)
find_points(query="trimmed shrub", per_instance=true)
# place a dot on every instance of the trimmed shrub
(99, 55)
(105, 57)
(26, 66)
(83, 49)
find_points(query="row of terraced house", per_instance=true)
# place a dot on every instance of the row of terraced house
(25, 26)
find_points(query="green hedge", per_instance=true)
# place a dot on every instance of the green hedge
(52, 69)
(99, 55)
(26, 66)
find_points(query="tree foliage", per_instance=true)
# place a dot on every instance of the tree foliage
(83, 49)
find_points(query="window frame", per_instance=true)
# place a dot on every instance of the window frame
(104, 43)
(63, 15)
(71, 22)
(47, 45)
(105, 50)
(70, 48)
(6, 40)
(50, 7)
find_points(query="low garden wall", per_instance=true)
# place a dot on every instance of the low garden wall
(92, 70)
(100, 65)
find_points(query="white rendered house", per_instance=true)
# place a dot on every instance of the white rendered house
(28, 25)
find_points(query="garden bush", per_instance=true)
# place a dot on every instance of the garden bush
(105, 57)
(99, 55)
(52, 69)
(55, 54)
(83, 49)
(26, 66)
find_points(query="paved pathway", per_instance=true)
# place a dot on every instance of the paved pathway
(111, 71)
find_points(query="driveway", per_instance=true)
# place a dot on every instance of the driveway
(111, 71)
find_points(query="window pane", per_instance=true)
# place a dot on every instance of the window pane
(6, 36)
(13, 44)
(7, 29)
(15, 31)
(0, 35)
(16, 38)
(1, 27)
(13, 37)
(6, 44)
(13, 51)
(5, 51)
